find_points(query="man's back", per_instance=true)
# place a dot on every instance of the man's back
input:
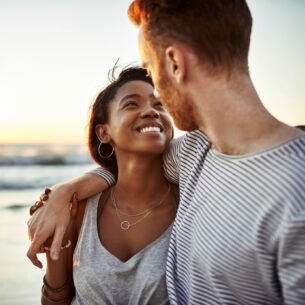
(240, 224)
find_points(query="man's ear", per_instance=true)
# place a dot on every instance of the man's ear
(102, 133)
(175, 62)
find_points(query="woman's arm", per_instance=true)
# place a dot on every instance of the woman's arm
(52, 219)
(57, 283)
(58, 287)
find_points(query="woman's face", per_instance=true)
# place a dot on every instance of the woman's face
(138, 123)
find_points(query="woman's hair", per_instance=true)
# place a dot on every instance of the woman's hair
(99, 113)
(218, 31)
(302, 127)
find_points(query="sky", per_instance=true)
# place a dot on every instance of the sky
(55, 56)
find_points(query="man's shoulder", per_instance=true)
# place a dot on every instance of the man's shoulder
(190, 138)
(292, 147)
(193, 145)
(196, 137)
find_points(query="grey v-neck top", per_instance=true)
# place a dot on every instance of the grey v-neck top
(101, 278)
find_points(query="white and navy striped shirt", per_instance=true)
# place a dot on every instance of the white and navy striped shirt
(239, 234)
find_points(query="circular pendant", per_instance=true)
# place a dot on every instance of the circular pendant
(125, 225)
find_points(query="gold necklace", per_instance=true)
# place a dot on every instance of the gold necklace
(125, 224)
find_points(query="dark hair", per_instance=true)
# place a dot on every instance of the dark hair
(99, 113)
(218, 31)
(302, 127)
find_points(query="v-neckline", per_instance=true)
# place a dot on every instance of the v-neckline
(134, 256)
(110, 254)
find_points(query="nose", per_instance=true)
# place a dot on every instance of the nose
(150, 112)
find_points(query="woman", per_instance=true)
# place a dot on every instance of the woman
(120, 236)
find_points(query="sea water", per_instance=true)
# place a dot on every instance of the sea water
(25, 170)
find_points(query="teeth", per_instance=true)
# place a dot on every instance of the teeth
(150, 129)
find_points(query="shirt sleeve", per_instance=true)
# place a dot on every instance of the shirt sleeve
(105, 174)
(171, 159)
(291, 264)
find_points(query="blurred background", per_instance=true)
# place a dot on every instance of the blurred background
(54, 59)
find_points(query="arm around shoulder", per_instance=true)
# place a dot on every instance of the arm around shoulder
(53, 218)
(58, 286)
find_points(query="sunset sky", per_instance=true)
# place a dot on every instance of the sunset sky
(55, 55)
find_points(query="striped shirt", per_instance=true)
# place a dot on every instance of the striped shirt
(239, 234)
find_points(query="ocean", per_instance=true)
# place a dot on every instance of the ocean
(25, 170)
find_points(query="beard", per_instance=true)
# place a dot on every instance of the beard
(177, 104)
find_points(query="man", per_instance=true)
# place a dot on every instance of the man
(239, 234)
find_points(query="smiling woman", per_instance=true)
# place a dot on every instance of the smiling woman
(126, 228)
(113, 117)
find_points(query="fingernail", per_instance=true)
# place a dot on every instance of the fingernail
(55, 255)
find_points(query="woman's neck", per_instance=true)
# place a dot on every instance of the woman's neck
(140, 183)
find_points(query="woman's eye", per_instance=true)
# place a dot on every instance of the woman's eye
(159, 104)
(130, 104)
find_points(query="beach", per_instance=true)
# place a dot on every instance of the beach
(20, 281)
(25, 170)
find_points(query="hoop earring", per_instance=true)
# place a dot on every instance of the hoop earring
(102, 156)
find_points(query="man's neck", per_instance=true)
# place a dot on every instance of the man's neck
(231, 114)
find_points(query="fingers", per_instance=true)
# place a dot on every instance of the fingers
(29, 230)
(36, 243)
(57, 242)
(32, 252)
(51, 219)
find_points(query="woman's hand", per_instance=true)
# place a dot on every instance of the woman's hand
(51, 220)
(70, 232)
